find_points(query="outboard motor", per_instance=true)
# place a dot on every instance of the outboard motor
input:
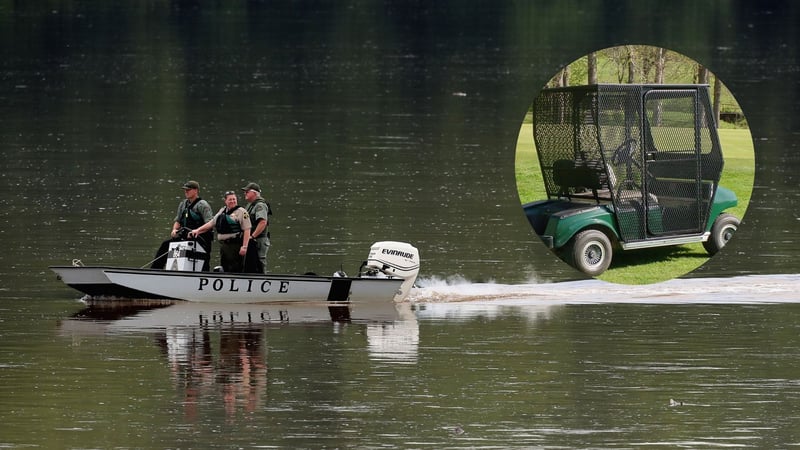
(392, 259)
(185, 256)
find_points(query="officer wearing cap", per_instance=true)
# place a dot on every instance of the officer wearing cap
(259, 211)
(192, 213)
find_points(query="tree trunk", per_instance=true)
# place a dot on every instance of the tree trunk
(717, 96)
(631, 65)
(561, 79)
(661, 61)
(702, 74)
(591, 64)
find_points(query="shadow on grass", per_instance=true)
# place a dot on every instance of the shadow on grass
(626, 259)
(654, 265)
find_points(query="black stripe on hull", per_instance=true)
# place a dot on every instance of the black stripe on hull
(340, 290)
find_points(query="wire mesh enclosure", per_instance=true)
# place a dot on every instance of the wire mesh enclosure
(650, 150)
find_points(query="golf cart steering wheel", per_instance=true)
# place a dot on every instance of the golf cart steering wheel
(625, 153)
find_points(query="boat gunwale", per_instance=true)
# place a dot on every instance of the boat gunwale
(227, 275)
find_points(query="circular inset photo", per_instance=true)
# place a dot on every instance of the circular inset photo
(635, 164)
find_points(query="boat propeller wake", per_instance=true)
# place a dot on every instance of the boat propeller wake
(741, 289)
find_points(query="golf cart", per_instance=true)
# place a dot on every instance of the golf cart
(628, 167)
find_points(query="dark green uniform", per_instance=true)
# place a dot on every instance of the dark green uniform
(259, 210)
(190, 215)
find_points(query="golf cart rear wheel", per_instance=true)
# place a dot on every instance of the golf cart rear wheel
(721, 232)
(590, 252)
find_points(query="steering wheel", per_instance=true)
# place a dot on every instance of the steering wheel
(183, 234)
(625, 153)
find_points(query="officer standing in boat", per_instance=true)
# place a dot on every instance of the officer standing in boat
(232, 224)
(192, 213)
(259, 211)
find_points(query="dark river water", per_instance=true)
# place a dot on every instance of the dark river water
(511, 370)
(365, 122)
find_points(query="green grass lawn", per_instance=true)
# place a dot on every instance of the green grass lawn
(656, 264)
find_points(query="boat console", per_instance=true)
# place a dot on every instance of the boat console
(185, 256)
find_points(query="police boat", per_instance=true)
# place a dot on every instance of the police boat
(388, 273)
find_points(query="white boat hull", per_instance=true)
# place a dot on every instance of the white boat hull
(92, 281)
(217, 287)
(243, 288)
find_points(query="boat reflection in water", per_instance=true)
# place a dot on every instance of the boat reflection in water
(205, 365)
(219, 353)
(142, 314)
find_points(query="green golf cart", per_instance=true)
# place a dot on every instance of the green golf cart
(628, 167)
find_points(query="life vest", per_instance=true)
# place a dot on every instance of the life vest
(252, 207)
(226, 224)
(253, 221)
(191, 218)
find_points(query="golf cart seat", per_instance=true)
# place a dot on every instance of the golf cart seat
(571, 178)
(634, 196)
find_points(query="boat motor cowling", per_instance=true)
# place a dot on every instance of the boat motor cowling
(395, 260)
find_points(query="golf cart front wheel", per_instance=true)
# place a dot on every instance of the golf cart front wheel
(590, 252)
(721, 232)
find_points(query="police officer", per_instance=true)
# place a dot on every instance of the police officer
(192, 213)
(232, 224)
(259, 211)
